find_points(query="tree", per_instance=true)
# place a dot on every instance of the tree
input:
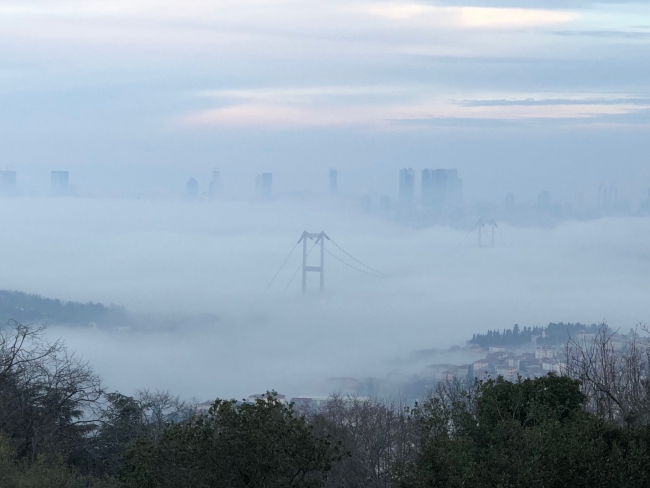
(527, 433)
(47, 395)
(262, 444)
(375, 433)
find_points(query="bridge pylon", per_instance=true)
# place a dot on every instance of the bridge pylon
(319, 239)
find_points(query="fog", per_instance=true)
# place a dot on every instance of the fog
(544, 105)
(195, 274)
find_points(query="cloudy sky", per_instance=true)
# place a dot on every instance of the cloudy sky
(138, 96)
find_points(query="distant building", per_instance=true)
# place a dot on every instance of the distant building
(426, 188)
(214, 188)
(264, 185)
(545, 352)
(384, 203)
(544, 200)
(446, 376)
(192, 189)
(510, 201)
(204, 407)
(508, 373)
(480, 365)
(264, 397)
(334, 181)
(7, 182)
(441, 189)
(607, 196)
(366, 203)
(406, 185)
(308, 402)
(59, 183)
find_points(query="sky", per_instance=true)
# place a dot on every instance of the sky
(136, 97)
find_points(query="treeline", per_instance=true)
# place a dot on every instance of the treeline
(591, 428)
(28, 308)
(551, 335)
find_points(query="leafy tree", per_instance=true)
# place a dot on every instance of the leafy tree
(46, 471)
(262, 444)
(527, 433)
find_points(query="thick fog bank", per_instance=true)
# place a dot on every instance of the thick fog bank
(175, 257)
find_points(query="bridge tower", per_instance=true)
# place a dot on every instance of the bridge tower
(319, 239)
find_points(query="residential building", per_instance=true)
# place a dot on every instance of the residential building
(545, 352)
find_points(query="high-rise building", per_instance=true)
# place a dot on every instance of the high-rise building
(441, 188)
(264, 185)
(7, 182)
(366, 203)
(406, 185)
(192, 189)
(544, 200)
(214, 188)
(425, 189)
(334, 177)
(384, 203)
(59, 182)
(510, 201)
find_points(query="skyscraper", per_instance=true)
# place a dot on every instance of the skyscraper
(333, 182)
(406, 183)
(441, 188)
(214, 188)
(264, 185)
(544, 200)
(59, 182)
(192, 189)
(425, 189)
(7, 182)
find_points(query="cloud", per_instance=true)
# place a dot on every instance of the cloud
(606, 34)
(555, 101)
(330, 107)
(513, 17)
(467, 17)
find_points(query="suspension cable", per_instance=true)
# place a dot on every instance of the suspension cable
(349, 265)
(355, 259)
(298, 268)
(278, 272)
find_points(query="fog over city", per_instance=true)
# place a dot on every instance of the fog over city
(166, 157)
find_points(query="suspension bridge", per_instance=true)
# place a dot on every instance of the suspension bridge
(319, 239)
(485, 239)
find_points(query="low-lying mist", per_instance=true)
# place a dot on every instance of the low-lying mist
(211, 262)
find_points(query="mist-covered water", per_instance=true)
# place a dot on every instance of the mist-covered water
(173, 258)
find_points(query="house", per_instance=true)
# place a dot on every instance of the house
(509, 373)
(545, 352)
(446, 376)
(203, 408)
(263, 397)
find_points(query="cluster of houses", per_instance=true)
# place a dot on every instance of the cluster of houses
(509, 365)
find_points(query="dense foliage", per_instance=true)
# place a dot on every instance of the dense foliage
(591, 428)
(529, 433)
(261, 444)
(551, 335)
(27, 308)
